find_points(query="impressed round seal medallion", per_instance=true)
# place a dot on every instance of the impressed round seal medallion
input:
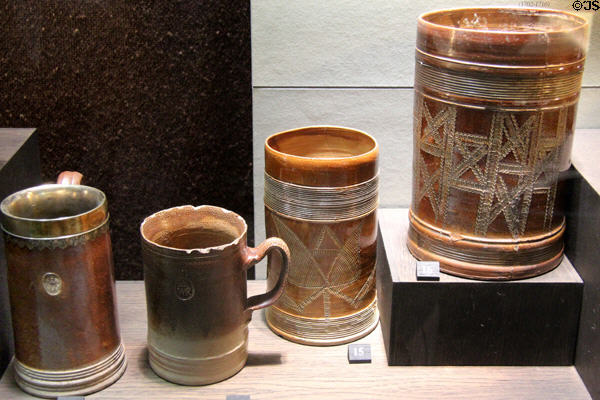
(52, 283)
(184, 289)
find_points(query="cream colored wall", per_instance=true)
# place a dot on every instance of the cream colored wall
(351, 63)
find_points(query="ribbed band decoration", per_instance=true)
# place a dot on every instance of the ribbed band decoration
(325, 330)
(477, 251)
(80, 381)
(57, 242)
(198, 370)
(318, 203)
(488, 86)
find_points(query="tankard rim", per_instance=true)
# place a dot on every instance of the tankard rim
(205, 251)
(373, 151)
(54, 227)
(577, 22)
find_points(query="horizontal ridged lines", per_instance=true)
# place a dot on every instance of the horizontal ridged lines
(495, 86)
(323, 329)
(63, 378)
(321, 203)
(485, 257)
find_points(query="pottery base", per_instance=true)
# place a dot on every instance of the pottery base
(482, 258)
(198, 371)
(82, 381)
(323, 331)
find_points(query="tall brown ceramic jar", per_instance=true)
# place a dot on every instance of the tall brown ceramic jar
(321, 198)
(496, 93)
(62, 290)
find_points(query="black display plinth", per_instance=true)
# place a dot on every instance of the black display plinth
(19, 169)
(457, 321)
(582, 241)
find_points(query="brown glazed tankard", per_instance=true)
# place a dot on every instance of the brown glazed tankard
(62, 289)
(321, 197)
(195, 262)
(496, 93)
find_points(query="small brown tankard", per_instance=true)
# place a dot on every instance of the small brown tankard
(62, 291)
(496, 93)
(195, 262)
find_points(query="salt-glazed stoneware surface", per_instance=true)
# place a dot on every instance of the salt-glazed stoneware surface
(195, 261)
(321, 197)
(62, 289)
(496, 92)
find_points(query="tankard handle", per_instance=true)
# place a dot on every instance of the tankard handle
(254, 255)
(69, 178)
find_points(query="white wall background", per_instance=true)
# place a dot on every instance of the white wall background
(351, 63)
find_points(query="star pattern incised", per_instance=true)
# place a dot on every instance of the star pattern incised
(323, 268)
(504, 166)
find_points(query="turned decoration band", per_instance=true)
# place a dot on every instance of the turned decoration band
(198, 370)
(49, 383)
(470, 256)
(325, 331)
(496, 87)
(319, 203)
(59, 242)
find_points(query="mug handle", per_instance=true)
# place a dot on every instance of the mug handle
(69, 178)
(254, 255)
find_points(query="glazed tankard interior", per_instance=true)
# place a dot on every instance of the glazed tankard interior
(62, 291)
(321, 197)
(195, 262)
